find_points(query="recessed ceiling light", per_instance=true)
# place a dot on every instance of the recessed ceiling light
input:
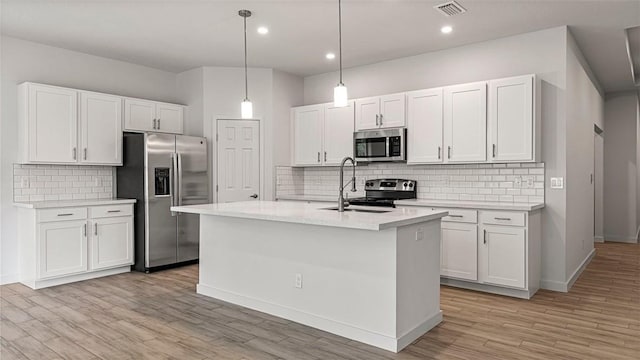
(446, 29)
(263, 30)
(330, 56)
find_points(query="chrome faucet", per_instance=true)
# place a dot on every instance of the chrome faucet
(341, 201)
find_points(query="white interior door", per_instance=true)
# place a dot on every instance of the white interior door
(599, 188)
(238, 160)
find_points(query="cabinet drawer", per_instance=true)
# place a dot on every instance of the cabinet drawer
(111, 211)
(503, 218)
(62, 214)
(460, 215)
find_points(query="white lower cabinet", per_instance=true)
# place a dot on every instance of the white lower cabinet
(62, 248)
(111, 242)
(504, 254)
(63, 245)
(492, 251)
(459, 251)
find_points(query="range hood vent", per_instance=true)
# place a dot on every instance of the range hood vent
(450, 8)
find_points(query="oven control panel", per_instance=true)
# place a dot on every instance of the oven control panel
(390, 185)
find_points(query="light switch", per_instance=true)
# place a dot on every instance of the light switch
(557, 183)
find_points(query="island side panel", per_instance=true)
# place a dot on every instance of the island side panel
(418, 266)
(348, 275)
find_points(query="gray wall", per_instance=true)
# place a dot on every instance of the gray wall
(543, 53)
(584, 106)
(620, 167)
(27, 61)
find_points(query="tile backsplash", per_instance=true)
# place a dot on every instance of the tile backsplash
(61, 182)
(519, 182)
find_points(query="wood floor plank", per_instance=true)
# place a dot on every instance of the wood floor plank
(159, 316)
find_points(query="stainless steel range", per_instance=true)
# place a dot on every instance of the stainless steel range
(383, 192)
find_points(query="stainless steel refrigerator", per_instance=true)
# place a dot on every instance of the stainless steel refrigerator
(161, 170)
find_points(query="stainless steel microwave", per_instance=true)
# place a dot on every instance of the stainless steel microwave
(380, 145)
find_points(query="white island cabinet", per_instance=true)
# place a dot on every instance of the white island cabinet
(372, 277)
(67, 241)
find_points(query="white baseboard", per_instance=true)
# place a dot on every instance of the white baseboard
(40, 284)
(598, 239)
(566, 285)
(622, 239)
(9, 279)
(576, 274)
(382, 341)
(499, 290)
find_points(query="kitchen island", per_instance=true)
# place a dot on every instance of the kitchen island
(373, 277)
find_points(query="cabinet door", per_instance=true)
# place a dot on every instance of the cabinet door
(424, 122)
(367, 113)
(139, 115)
(169, 118)
(392, 110)
(53, 124)
(111, 242)
(62, 248)
(101, 129)
(459, 251)
(307, 136)
(503, 255)
(465, 122)
(511, 119)
(338, 133)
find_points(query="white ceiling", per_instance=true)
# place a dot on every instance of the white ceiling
(178, 35)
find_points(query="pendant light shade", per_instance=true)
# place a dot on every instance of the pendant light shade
(246, 108)
(340, 98)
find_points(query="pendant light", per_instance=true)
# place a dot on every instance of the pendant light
(246, 108)
(340, 98)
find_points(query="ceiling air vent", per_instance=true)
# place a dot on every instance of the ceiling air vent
(450, 8)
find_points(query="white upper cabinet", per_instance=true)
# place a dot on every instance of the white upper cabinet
(367, 113)
(100, 129)
(392, 110)
(49, 123)
(465, 122)
(169, 118)
(307, 135)
(511, 119)
(424, 122)
(145, 115)
(337, 133)
(380, 112)
(139, 115)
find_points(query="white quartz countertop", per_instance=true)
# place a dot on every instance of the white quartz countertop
(481, 205)
(316, 214)
(72, 203)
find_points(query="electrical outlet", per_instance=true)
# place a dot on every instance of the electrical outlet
(518, 181)
(420, 234)
(530, 182)
(557, 183)
(24, 183)
(299, 281)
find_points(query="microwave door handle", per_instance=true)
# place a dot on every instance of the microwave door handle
(388, 147)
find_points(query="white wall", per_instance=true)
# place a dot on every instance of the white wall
(542, 52)
(288, 91)
(621, 167)
(27, 61)
(190, 92)
(584, 106)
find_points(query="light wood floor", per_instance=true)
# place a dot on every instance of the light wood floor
(159, 316)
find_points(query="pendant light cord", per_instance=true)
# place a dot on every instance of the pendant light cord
(246, 82)
(340, 36)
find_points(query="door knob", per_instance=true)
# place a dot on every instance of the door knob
(255, 196)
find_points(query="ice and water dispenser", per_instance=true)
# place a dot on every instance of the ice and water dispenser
(162, 181)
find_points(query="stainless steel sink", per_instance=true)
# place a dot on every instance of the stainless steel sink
(359, 210)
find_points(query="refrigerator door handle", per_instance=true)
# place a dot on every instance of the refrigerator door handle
(173, 185)
(179, 184)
